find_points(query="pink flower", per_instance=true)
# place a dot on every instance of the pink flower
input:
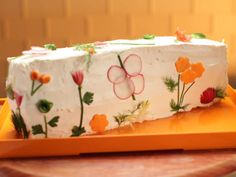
(18, 99)
(78, 77)
(127, 80)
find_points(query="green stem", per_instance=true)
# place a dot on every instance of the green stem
(120, 61)
(46, 126)
(36, 89)
(32, 87)
(178, 89)
(23, 126)
(187, 91)
(82, 106)
(182, 94)
(122, 66)
(133, 97)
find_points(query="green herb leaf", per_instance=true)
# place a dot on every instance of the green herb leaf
(44, 106)
(176, 107)
(88, 98)
(77, 131)
(10, 92)
(120, 118)
(220, 93)
(198, 35)
(148, 36)
(53, 122)
(170, 83)
(50, 46)
(84, 47)
(37, 129)
(19, 124)
(16, 122)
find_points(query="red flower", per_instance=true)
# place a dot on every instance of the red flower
(78, 77)
(18, 99)
(208, 95)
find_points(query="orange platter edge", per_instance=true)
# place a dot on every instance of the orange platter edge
(202, 128)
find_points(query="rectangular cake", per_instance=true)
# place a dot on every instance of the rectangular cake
(91, 88)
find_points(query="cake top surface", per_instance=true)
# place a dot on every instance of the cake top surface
(106, 47)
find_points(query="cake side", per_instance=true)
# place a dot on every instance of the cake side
(104, 94)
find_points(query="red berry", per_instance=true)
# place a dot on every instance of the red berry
(208, 95)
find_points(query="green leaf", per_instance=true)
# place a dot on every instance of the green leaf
(19, 124)
(120, 118)
(88, 98)
(198, 35)
(170, 83)
(37, 129)
(84, 46)
(77, 131)
(16, 122)
(53, 122)
(50, 46)
(44, 106)
(10, 92)
(176, 107)
(148, 36)
(220, 93)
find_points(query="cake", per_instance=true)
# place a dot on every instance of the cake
(92, 88)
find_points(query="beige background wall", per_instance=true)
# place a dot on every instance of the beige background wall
(65, 22)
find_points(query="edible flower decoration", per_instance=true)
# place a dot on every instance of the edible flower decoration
(129, 116)
(44, 106)
(210, 94)
(181, 36)
(87, 98)
(127, 79)
(187, 75)
(17, 118)
(98, 123)
(90, 51)
(18, 99)
(39, 78)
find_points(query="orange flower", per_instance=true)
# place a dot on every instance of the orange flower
(34, 75)
(188, 76)
(98, 123)
(44, 79)
(182, 64)
(181, 36)
(90, 50)
(198, 68)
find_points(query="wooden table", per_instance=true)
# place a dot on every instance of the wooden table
(133, 164)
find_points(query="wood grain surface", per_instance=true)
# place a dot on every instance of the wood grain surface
(139, 164)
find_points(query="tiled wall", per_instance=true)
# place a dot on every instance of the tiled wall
(65, 22)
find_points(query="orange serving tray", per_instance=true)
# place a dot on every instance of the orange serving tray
(202, 128)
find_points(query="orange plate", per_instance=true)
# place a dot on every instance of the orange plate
(202, 128)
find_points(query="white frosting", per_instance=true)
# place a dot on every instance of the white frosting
(158, 61)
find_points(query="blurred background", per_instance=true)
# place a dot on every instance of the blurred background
(24, 23)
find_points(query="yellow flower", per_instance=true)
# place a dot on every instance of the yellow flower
(188, 76)
(98, 123)
(182, 64)
(198, 68)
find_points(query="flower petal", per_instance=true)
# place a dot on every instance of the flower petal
(139, 83)
(116, 74)
(133, 65)
(124, 89)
